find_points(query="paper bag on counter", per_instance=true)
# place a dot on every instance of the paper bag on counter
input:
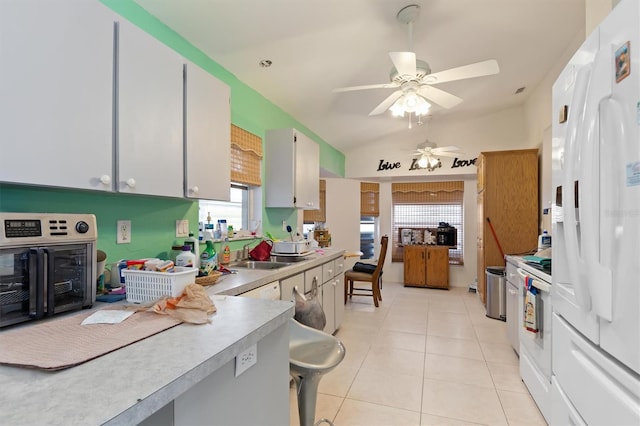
(193, 306)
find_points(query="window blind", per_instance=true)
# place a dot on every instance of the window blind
(424, 205)
(246, 156)
(369, 199)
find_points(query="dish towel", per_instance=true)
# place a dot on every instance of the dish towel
(530, 317)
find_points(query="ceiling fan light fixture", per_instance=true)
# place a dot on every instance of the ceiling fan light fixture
(410, 102)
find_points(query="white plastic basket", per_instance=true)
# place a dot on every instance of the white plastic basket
(148, 286)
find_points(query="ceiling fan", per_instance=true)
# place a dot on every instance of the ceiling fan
(414, 80)
(429, 153)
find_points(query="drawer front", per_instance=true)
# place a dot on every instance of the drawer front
(309, 276)
(600, 389)
(328, 271)
(512, 274)
(338, 266)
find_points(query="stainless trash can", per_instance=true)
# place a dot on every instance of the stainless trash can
(496, 293)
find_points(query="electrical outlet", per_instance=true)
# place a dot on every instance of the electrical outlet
(124, 232)
(182, 228)
(284, 225)
(246, 359)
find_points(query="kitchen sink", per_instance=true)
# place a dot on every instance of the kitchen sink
(256, 264)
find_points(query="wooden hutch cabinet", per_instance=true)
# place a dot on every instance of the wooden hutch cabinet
(508, 197)
(426, 266)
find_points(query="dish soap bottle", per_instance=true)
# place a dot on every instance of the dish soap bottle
(226, 255)
(208, 259)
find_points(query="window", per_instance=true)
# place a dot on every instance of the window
(367, 236)
(424, 205)
(246, 157)
(369, 212)
(235, 211)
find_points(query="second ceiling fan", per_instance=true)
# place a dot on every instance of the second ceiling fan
(414, 80)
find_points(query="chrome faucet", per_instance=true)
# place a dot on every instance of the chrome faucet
(245, 250)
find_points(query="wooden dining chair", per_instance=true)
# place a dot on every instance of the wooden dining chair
(351, 276)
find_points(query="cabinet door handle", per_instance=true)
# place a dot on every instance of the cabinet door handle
(194, 190)
(131, 183)
(105, 179)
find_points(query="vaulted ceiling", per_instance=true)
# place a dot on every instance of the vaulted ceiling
(318, 45)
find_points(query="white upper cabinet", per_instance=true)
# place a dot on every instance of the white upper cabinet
(292, 170)
(56, 89)
(207, 135)
(149, 107)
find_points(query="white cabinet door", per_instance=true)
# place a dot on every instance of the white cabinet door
(328, 303)
(207, 135)
(56, 89)
(149, 105)
(292, 170)
(339, 300)
(287, 285)
(307, 183)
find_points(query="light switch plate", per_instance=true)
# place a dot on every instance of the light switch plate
(182, 228)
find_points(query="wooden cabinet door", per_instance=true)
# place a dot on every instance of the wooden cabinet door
(438, 267)
(414, 266)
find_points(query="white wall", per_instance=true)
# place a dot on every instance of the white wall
(501, 130)
(343, 214)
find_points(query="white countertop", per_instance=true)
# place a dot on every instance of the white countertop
(128, 385)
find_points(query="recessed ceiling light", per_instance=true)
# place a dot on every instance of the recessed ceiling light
(520, 90)
(265, 63)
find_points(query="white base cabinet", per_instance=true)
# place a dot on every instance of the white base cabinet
(330, 279)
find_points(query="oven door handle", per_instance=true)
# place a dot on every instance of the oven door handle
(542, 286)
(50, 281)
(36, 283)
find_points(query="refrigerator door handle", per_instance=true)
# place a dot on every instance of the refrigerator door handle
(576, 265)
(599, 278)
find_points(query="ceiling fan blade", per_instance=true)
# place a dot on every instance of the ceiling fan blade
(366, 87)
(446, 148)
(405, 63)
(440, 97)
(384, 105)
(478, 69)
(448, 154)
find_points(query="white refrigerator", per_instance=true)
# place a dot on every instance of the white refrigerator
(596, 227)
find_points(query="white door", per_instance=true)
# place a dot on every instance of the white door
(207, 135)
(56, 81)
(615, 269)
(150, 80)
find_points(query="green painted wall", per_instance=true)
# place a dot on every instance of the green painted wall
(153, 218)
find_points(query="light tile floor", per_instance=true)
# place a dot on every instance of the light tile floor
(424, 357)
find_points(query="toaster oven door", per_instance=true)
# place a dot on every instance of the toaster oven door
(19, 286)
(69, 277)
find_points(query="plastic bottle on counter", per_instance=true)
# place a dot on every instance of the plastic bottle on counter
(208, 259)
(544, 240)
(194, 245)
(186, 258)
(226, 255)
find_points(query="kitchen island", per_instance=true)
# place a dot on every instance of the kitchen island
(184, 375)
